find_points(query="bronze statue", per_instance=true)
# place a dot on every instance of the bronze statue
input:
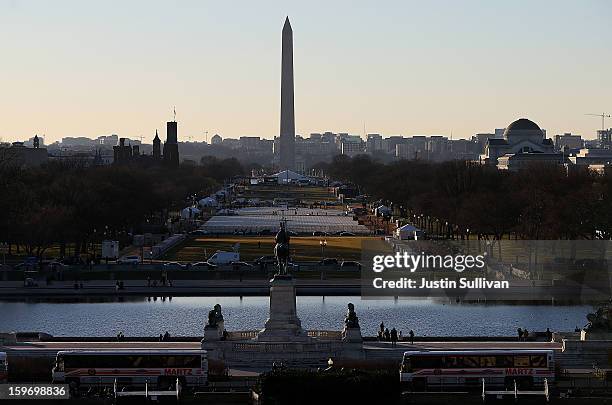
(215, 316)
(601, 320)
(351, 320)
(281, 250)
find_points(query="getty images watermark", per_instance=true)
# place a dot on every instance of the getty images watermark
(488, 270)
(409, 262)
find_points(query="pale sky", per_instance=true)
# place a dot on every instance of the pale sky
(90, 68)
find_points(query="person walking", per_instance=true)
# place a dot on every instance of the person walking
(411, 335)
(387, 335)
(393, 337)
(519, 331)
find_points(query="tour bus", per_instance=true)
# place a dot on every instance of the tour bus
(3, 368)
(440, 370)
(159, 368)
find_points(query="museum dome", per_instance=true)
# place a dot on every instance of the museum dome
(521, 127)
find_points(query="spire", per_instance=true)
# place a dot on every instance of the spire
(156, 135)
(287, 25)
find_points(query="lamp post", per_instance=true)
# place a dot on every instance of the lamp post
(323, 244)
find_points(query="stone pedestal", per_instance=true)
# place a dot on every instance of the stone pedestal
(598, 335)
(214, 333)
(283, 324)
(352, 335)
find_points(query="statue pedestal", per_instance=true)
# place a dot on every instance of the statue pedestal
(352, 335)
(597, 335)
(283, 324)
(214, 333)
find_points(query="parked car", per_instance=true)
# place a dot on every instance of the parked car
(173, 266)
(199, 232)
(265, 232)
(203, 266)
(350, 265)
(347, 234)
(292, 233)
(128, 260)
(319, 233)
(330, 261)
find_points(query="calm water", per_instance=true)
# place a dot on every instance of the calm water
(187, 316)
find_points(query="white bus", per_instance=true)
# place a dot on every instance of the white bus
(3, 368)
(460, 369)
(129, 367)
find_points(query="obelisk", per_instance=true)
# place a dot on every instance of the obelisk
(287, 117)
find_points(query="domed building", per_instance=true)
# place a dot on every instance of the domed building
(523, 141)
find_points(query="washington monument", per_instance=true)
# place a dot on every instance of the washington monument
(287, 117)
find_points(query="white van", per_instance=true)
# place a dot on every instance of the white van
(220, 258)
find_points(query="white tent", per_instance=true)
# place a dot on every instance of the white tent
(409, 232)
(286, 176)
(189, 212)
(382, 211)
(208, 202)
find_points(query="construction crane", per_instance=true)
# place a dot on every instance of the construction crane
(603, 119)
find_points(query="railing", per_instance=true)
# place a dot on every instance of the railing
(148, 393)
(241, 335)
(515, 392)
(325, 334)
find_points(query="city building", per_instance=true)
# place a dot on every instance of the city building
(171, 152)
(374, 143)
(568, 142)
(19, 155)
(592, 156)
(604, 138)
(216, 140)
(521, 136)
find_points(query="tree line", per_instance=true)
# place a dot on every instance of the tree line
(71, 203)
(455, 198)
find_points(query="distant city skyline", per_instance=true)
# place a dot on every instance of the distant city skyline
(402, 68)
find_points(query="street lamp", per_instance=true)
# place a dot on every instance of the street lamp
(323, 244)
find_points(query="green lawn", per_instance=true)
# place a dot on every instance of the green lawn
(302, 248)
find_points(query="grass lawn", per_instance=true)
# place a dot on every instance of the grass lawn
(305, 248)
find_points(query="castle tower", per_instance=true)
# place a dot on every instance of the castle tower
(156, 147)
(171, 153)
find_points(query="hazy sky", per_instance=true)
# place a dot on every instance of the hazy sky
(87, 68)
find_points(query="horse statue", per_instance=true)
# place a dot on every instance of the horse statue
(281, 249)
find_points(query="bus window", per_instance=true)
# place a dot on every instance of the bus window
(454, 362)
(538, 361)
(521, 361)
(406, 368)
(504, 361)
(487, 361)
(427, 362)
(471, 361)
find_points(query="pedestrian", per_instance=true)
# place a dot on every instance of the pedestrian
(411, 335)
(167, 336)
(548, 335)
(382, 327)
(519, 331)
(393, 337)
(161, 337)
(400, 335)
(387, 335)
(525, 334)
